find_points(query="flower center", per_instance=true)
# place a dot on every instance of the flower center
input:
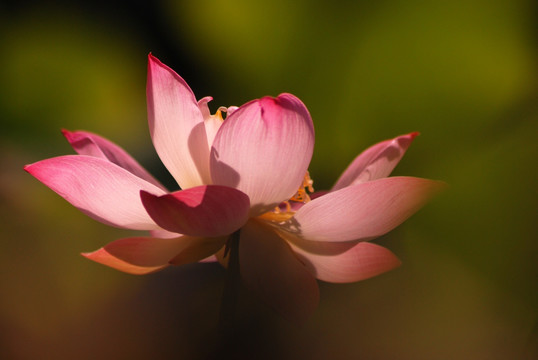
(287, 209)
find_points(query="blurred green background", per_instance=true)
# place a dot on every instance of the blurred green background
(463, 73)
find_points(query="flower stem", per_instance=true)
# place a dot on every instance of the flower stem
(231, 288)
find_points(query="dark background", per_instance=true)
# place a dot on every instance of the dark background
(463, 73)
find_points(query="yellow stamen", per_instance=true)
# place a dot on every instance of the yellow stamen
(218, 114)
(278, 215)
(301, 195)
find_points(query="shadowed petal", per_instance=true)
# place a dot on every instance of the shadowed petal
(270, 269)
(344, 262)
(99, 188)
(208, 210)
(87, 143)
(376, 162)
(177, 126)
(263, 149)
(142, 255)
(364, 211)
(163, 234)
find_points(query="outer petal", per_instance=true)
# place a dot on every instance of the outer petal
(142, 255)
(263, 149)
(364, 211)
(344, 262)
(269, 268)
(208, 210)
(100, 189)
(177, 126)
(87, 143)
(376, 162)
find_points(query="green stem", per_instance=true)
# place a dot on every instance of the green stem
(231, 288)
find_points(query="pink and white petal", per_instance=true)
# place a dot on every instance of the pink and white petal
(271, 270)
(263, 149)
(143, 255)
(204, 108)
(177, 126)
(344, 262)
(364, 211)
(99, 188)
(376, 162)
(207, 210)
(87, 143)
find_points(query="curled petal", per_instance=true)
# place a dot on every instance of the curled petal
(364, 211)
(344, 262)
(177, 126)
(376, 162)
(270, 269)
(143, 255)
(212, 122)
(99, 188)
(87, 143)
(263, 149)
(231, 109)
(208, 210)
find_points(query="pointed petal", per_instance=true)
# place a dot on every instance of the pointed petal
(208, 210)
(87, 143)
(102, 256)
(344, 262)
(270, 269)
(364, 211)
(99, 188)
(263, 149)
(376, 162)
(142, 255)
(177, 126)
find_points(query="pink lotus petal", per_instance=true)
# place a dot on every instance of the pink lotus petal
(263, 149)
(142, 255)
(344, 262)
(99, 188)
(87, 143)
(364, 211)
(376, 162)
(207, 210)
(270, 269)
(177, 126)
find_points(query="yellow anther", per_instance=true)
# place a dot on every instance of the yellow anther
(301, 194)
(279, 215)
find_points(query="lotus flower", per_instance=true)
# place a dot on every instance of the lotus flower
(245, 174)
